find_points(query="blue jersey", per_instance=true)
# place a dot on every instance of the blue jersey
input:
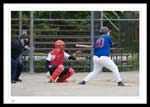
(102, 46)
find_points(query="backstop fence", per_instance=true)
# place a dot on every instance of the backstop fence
(43, 32)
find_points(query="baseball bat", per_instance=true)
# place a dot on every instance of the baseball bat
(83, 46)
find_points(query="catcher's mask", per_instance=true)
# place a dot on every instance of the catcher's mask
(60, 44)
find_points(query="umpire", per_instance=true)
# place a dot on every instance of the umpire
(16, 65)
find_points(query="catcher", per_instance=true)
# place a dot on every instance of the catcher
(57, 72)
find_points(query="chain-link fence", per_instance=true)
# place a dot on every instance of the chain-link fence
(44, 28)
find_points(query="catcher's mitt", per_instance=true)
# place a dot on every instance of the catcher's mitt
(77, 55)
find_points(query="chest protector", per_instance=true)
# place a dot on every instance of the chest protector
(59, 57)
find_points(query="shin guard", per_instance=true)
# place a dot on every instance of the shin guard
(69, 73)
(56, 73)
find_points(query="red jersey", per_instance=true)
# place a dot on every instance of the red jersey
(59, 57)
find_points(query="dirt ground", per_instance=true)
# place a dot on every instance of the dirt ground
(36, 84)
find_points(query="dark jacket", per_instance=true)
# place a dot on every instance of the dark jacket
(24, 37)
(16, 48)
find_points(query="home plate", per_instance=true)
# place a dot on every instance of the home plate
(128, 84)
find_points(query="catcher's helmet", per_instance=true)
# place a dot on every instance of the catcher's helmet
(104, 30)
(60, 44)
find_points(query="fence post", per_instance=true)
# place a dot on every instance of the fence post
(20, 32)
(20, 23)
(31, 43)
(101, 19)
(92, 37)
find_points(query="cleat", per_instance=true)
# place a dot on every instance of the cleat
(13, 81)
(18, 80)
(121, 84)
(82, 83)
(65, 81)
(50, 81)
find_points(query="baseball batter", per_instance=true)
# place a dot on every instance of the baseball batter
(101, 57)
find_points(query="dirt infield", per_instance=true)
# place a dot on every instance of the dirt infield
(102, 85)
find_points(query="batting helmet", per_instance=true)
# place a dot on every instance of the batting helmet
(60, 44)
(104, 30)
